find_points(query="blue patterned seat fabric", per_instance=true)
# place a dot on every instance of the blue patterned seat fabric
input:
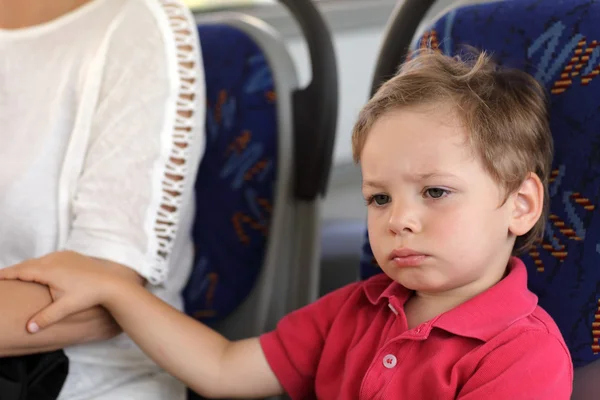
(235, 184)
(556, 41)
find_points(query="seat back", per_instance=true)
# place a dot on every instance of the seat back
(243, 179)
(557, 42)
(255, 232)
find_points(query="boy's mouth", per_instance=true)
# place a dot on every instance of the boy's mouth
(405, 257)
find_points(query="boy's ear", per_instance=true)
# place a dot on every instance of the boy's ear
(528, 204)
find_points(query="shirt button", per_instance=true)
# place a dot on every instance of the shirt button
(390, 361)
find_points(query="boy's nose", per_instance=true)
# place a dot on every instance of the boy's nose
(404, 219)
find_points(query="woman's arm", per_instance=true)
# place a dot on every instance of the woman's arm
(19, 301)
(136, 188)
(145, 142)
(200, 357)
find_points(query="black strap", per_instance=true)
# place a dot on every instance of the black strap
(33, 377)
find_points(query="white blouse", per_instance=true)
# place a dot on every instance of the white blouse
(101, 133)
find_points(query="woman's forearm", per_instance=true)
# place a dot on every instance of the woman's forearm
(19, 301)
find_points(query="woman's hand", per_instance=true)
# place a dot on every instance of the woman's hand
(76, 283)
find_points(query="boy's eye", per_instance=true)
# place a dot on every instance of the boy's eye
(380, 199)
(435, 193)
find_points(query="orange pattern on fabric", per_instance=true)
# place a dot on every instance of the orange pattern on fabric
(579, 61)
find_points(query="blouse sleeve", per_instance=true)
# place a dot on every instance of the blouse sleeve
(146, 139)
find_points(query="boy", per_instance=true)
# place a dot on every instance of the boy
(455, 159)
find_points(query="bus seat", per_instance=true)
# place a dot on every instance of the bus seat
(557, 42)
(256, 224)
(237, 178)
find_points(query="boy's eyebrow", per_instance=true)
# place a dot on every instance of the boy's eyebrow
(375, 184)
(434, 174)
(372, 184)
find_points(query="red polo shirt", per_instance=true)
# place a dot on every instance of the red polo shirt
(354, 344)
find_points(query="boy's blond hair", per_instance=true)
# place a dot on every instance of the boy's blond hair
(504, 111)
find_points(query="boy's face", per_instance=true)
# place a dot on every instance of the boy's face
(428, 194)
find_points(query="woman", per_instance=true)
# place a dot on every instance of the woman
(101, 132)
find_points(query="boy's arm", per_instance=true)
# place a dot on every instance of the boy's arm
(201, 358)
(536, 365)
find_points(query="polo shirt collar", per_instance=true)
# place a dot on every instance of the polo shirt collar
(382, 287)
(482, 317)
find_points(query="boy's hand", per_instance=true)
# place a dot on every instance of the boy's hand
(76, 283)
(203, 359)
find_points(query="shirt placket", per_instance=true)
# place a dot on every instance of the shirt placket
(390, 358)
